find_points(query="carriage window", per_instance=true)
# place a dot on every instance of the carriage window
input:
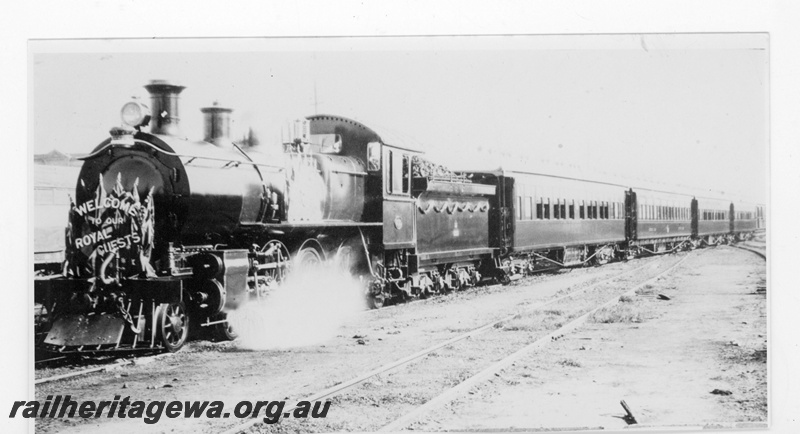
(557, 209)
(528, 210)
(563, 208)
(572, 209)
(547, 209)
(582, 209)
(539, 210)
(519, 207)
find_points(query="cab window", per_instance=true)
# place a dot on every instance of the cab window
(399, 166)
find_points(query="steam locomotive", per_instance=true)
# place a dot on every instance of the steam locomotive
(167, 234)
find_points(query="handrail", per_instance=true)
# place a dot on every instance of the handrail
(173, 154)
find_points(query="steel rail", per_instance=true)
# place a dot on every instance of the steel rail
(110, 367)
(763, 255)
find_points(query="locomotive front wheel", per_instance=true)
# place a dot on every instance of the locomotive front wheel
(376, 301)
(224, 331)
(173, 325)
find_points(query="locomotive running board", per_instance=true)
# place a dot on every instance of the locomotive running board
(87, 331)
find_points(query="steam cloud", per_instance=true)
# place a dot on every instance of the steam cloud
(307, 309)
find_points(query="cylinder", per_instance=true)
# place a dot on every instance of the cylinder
(217, 124)
(164, 106)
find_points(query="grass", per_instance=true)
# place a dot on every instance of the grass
(646, 290)
(619, 313)
(569, 362)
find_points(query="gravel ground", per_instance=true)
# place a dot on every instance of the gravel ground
(229, 372)
(665, 360)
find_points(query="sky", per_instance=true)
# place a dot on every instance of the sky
(686, 113)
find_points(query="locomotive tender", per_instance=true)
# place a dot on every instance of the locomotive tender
(165, 233)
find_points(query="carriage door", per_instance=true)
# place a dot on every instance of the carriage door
(398, 206)
(630, 215)
(501, 217)
(730, 217)
(695, 217)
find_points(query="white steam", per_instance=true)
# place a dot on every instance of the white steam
(307, 309)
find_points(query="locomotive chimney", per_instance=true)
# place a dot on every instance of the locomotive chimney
(217, 125)
(164, 106)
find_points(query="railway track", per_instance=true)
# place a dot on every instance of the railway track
(759, 252)
(608, 285)
(109, 364)
(463, 387)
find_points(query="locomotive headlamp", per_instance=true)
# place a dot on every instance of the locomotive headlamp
(135, 114)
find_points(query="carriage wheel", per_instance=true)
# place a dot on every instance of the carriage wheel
(173, 325)
(454, 278)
